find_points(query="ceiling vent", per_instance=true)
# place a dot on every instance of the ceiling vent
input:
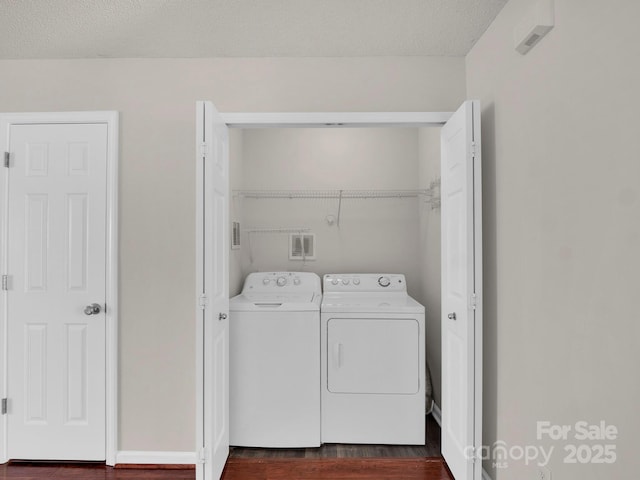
(538, 21)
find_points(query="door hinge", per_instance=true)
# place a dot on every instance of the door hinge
(473, 149)
(5, 282)
(474, 301)
(7, 159)
(202, 456)
(204, 149)
(4, 406)
(203, 301)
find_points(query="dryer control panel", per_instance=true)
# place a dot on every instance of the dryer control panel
(364, 282)
(265, 282)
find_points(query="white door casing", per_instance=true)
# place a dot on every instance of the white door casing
(212, 209)
(59, 253)
(461, 224)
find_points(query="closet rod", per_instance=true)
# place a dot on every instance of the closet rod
(277, 230)
(338, 194)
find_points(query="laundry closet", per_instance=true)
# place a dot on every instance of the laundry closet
(340, 200)
(345, 194)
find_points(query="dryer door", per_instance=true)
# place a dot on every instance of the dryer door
(376, 356)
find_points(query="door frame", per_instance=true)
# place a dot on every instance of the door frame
(110, 119)
(335, 119)
(308, 120)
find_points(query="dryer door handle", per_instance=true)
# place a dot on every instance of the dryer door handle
(337, 355)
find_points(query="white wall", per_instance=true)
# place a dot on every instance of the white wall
(373, 235)
(561, 230)
(429, 248)
(156, 100)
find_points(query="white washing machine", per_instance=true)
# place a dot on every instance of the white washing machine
(373, 361)
(274, 361)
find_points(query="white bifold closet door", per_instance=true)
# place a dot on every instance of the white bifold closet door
(212, 135)
(56, 265)
(462, 292)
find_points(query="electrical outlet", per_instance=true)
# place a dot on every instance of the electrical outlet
(544, 473)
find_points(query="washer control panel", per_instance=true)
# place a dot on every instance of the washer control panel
(282, 281)
(364, 282)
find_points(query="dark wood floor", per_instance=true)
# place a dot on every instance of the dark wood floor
(336, 469)
(338, 450)
(88, 471)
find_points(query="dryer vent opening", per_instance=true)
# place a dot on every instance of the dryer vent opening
(302, 246)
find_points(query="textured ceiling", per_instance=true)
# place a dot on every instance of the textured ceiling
(241, 28)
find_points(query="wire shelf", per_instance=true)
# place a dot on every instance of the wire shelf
(277, 230)
(338, 194)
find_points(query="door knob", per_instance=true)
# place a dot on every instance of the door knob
(452, 316)
(92, 309)
(222, 316)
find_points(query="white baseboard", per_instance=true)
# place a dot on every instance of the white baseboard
(437, 416)
(156, 458)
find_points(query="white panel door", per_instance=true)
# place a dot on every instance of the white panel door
(56, 265)
(213, 285)
(461, 292)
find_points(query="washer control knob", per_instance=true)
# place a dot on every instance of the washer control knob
(345, 281)
(265, 281)
(296, 280)
(356, 281)
(281, 282)
(334, 281)
(384, 281)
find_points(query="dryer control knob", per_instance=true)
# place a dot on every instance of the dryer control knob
(282, 281)
(265, 280)
(296, 281)
(345, 281)
(356, 281)
(334, 281)
(384, 281)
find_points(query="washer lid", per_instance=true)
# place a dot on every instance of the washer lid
(288, 302)
(258, 298)
(367, 303)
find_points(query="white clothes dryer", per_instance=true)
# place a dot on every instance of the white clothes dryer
(372, 361)
(274, 361)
